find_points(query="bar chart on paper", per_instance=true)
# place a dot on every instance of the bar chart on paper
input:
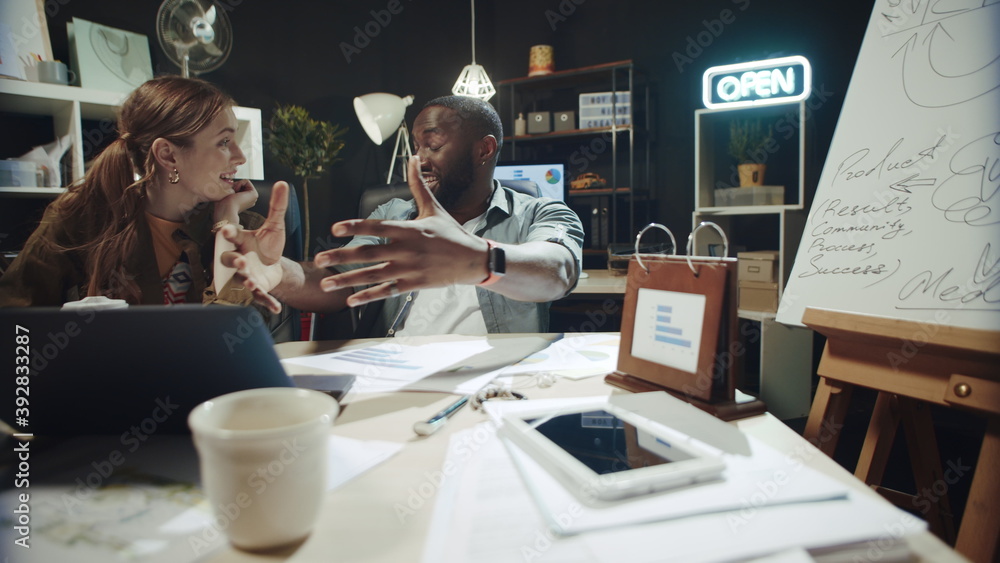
(668, 328)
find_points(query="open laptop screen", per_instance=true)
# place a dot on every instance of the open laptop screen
(548, 176)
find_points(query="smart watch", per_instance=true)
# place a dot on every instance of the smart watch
(496, 263)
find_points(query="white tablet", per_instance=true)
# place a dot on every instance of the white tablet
(604, 452)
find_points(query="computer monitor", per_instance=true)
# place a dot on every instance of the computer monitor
(548, 176)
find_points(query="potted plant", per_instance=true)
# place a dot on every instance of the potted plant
(747, 141)
(307, 146)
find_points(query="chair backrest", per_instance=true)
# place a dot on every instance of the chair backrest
(529, 187)
(377, 195)
(287, 326)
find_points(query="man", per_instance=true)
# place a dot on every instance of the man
(465, 256)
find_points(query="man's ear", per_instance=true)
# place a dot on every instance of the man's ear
(165, 153)
(487, 148)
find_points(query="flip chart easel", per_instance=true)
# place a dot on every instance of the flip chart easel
(912, 364)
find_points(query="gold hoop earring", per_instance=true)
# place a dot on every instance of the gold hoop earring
(175, 177)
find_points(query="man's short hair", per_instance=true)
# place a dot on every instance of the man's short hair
(480, 116)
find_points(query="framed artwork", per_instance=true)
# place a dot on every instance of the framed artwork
(24, 36)
(106, 58)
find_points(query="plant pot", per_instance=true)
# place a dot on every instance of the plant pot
(751, 174)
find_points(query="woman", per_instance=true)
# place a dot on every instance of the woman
(140, 226)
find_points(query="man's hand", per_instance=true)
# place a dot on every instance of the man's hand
(432, 250)
(257, 254)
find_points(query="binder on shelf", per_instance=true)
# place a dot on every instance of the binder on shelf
(679, 330)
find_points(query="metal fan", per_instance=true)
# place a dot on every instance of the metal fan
(195, 34)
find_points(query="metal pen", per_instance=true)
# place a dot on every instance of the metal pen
(433, 424)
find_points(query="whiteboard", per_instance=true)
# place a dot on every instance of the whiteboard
(905, 222)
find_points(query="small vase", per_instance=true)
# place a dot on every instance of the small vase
(751, 174)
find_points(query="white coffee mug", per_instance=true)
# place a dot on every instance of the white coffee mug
(54, 72)
(263, 458)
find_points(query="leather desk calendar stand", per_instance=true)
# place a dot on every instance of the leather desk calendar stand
(679, 330)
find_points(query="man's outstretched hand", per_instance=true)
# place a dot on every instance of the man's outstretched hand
(432, 250)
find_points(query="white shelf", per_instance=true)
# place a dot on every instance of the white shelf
(70, 105)
(785, 352)
(31, 192)
(746, 209)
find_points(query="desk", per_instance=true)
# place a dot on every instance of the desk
(359, 522)
(600, 284)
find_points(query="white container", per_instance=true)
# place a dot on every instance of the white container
(21, 174)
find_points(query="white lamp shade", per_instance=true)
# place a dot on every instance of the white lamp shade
(475, 83)
(380, 114)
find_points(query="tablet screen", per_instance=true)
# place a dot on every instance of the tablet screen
(605, 443)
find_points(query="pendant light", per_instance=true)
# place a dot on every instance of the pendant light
(473, 81)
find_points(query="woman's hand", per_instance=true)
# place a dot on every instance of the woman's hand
(257, 253)
(230, 207)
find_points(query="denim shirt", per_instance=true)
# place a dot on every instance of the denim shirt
(512, 218)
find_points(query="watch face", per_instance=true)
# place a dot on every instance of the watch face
(498, 261)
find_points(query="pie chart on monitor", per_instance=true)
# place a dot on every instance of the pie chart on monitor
(552, 176)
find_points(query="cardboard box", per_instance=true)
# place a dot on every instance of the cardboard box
(760, 266)
(564, 121)
(539, 122)
(758, 296)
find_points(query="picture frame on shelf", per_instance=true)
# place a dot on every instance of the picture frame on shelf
(28, 31)
(107, 58)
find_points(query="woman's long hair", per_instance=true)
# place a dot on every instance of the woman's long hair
(109, 199)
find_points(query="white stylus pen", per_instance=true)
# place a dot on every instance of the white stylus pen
(432, 425)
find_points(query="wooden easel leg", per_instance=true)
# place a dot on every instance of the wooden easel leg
(978, 536)
(932, 487)
(878, 440)
(826, 417)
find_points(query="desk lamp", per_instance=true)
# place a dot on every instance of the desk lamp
(380, 114)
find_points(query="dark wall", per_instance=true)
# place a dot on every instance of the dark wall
(294, 52)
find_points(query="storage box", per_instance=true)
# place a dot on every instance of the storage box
(564, 121)
(758, 296)
(759, 266)
(539, 122)
(20, 174)
(751, 195)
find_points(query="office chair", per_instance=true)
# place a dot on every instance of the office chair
(288, 326)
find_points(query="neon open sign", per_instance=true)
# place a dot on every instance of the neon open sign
(774, 81)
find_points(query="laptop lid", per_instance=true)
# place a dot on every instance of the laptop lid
(128, 372)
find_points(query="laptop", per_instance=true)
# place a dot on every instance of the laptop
(132, 371)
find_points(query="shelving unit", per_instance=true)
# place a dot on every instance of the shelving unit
(615, 147)
(69, 107)
(88, 117)
(785, 352)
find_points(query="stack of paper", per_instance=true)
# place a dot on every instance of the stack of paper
(502, 506)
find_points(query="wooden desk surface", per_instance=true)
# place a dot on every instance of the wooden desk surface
(600, 283)
(359, 523)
